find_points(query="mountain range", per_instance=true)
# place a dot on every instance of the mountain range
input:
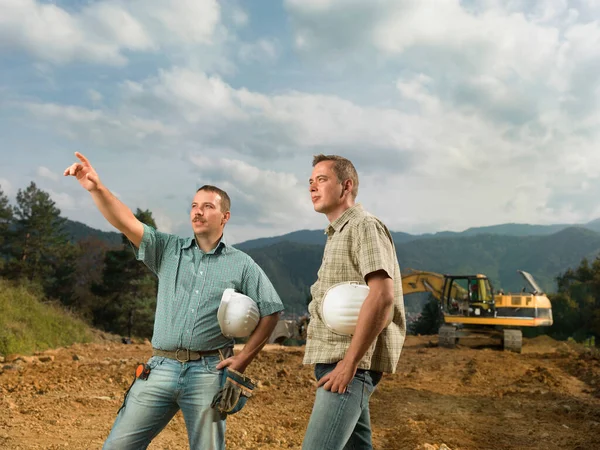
(291, 261)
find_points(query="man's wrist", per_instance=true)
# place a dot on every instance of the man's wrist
(241, 362)
(98, 189)
(352, 359)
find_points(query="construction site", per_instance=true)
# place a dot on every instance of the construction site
(474, 396)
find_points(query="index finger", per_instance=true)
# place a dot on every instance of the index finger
(323, 380)
(82, 158)
(225, 363)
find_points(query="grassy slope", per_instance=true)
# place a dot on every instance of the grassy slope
(28, 325)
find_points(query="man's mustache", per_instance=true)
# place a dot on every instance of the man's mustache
(199, 219)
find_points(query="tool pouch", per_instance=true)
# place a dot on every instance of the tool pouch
(235, 391)
(142, 371)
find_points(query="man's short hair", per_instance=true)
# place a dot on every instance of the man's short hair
(225, 200)
(343, 169)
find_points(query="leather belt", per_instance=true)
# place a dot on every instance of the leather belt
(184, 355)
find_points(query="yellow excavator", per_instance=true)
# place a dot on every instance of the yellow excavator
(468, 304)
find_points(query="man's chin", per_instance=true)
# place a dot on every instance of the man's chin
(199, 229)
(319, 209)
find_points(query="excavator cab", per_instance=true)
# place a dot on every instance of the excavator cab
(468, 295)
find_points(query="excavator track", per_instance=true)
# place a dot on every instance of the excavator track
(447, 336)
(513, 340)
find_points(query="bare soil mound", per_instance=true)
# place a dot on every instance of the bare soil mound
(468, 398)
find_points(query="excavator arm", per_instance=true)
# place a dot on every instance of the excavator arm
(417, 281)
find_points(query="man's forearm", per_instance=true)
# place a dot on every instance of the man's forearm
(118, 214)
(258, 339)
(372, 319)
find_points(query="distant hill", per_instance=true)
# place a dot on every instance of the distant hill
(593, 225)
(292, 267)
(292, 260)
(309, 237)
(78, 231)
(516, 229)
(317, 237)
(499, 257)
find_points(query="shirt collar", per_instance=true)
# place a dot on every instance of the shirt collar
(340, 222)
(220, 248)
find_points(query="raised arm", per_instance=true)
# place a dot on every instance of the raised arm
(117, 213)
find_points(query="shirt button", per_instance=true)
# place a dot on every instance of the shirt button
(196, 291)
(192, 310)
(201, 272)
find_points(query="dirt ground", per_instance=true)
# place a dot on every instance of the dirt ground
(472, 397)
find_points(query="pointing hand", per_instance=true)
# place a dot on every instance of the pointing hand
(84, 172)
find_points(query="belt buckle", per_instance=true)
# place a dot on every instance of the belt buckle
(177, 355)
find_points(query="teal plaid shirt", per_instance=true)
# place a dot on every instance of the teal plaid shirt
(190, 285)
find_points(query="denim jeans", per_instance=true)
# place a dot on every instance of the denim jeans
(342, 421)
(150, 404)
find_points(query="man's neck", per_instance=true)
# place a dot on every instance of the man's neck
(337, 213)
(208, 243)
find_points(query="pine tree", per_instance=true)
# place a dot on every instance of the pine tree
(576, 306)
(6, 218)
(430, 320)
(128, 290)
(38, 247)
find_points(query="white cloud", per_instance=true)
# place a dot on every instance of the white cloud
(44, 172)
(456, 114)
(446, 152)
(240, 17)
(6, 187)
(95, 96)
(165, 222)
(261, 197)
(100, 127)
(103, 32)
(64, 201)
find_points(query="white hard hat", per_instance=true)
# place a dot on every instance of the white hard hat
(341, 306)
(238, 314)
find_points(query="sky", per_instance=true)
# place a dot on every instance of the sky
(455, 113)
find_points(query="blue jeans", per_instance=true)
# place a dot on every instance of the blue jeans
(150, 405)
(342, 421)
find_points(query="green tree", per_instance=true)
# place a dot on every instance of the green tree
(430, 319)
(127, 292)
(576, 306)
(6, 218)
(90, 266)
(38, 247)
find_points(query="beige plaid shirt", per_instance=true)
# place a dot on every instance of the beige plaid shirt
(358, 244)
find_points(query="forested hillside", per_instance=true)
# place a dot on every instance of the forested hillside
(95, 275)
(292, 266)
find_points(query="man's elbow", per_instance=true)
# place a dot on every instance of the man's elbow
(269, 322)
(383, 300)
(387, 300)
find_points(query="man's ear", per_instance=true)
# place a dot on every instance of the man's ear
(348, 185)
(225, 218)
